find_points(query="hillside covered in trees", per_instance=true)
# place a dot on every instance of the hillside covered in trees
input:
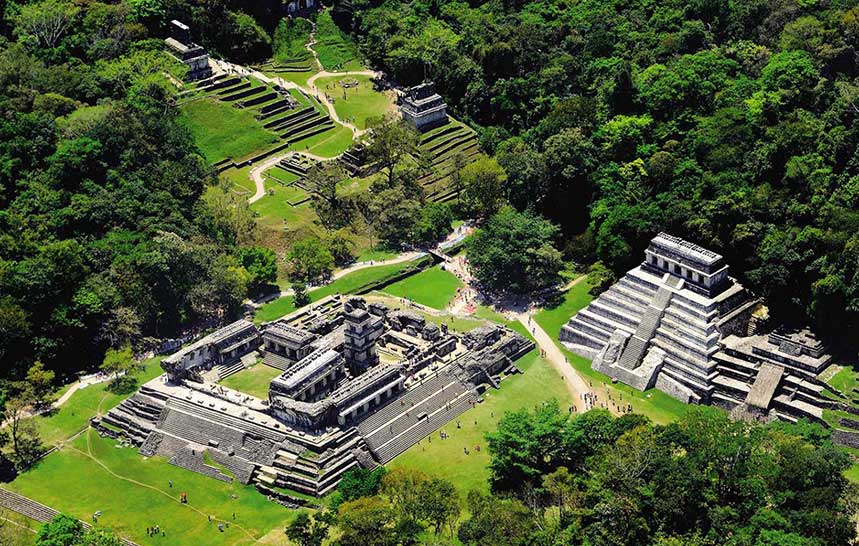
(731, 123)
(106, 231)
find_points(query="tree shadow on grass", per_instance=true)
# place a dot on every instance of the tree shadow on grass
(123, 385)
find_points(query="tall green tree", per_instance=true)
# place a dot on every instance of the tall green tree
(515, 251)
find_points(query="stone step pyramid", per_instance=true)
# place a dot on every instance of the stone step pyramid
(660, 325)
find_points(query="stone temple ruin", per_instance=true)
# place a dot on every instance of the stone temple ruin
(423, 107)
(183, 48)
(679, 323)
(359, 385)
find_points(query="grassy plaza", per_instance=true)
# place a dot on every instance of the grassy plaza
(357, 102)
(433, 287)
(254, 380)
(447, 458)
(134, 492)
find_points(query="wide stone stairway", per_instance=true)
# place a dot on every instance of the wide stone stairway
(422, 410)
(635, 348)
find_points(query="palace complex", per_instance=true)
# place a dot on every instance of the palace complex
(359, 384)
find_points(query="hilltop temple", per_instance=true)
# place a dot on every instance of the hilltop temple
(359, 384)
(183, 48)
(423, 107)
(678, 322)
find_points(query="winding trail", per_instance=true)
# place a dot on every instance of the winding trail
(322, 97)
(93, 379)
(256, 174)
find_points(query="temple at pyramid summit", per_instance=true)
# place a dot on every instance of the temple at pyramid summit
(680, 323)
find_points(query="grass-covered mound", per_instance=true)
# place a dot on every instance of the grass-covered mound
(335, 49)
(222, 131)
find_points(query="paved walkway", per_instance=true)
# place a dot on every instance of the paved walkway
(320, 95)
(81, 383)
(575, 384)
(256, 174)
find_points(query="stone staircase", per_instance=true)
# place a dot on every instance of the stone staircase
(408, 419)
(191, 459)
(226, 370)
(276, 361)
(422, 428)
(635, 348)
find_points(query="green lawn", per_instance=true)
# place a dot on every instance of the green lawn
(655, 404)
(299, 78)
(93, 473)
(74, 415)
(240, 180)
(347, 284)
(488, 313)
(357, 103)
(274, 207)
(254, 380)
(279, 176)
(433, 287)
(845, 380)
(222, 131)
(447, 459)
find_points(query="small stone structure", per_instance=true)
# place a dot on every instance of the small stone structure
(680, 323)
(423, 107)
(185, 50)
(300, 7)
(359, 386)
(772, 376)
